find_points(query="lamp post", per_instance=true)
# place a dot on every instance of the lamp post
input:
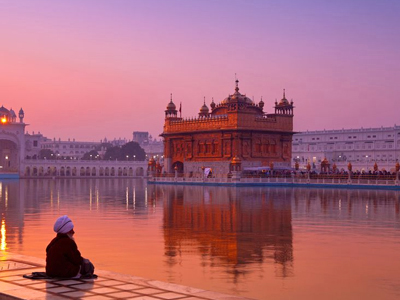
(134, 157)
(127, 157)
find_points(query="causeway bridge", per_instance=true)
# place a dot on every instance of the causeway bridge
(34, 168)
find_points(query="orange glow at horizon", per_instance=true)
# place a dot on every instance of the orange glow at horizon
(3, 243)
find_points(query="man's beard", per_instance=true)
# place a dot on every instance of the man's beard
(71, 236)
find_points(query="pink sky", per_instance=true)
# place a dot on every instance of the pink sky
(93, 69)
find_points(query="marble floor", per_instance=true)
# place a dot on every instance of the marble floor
(108, 285)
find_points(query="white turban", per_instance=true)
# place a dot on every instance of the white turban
(63, 225)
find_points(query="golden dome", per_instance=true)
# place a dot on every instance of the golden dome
(237, 97)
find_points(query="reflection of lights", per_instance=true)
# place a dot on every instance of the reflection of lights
(90, 196)
(6, 196)
(127, 198)
(134, 197)
(366, 209)
(97, 196)
(145, 197)
(3, 243)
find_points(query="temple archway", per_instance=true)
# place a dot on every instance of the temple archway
(139, 171)
(178, 165)
(9, 157)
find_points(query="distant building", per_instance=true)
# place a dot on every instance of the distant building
(141, 137)
(235, 132)
(115, 142)
(20, 150)
(71, 149)
(362, 147)
(152, 147)
(33, 144)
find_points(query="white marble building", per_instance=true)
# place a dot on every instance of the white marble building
(19, 152)
(12, 140)
(362, 147)
(72, 149)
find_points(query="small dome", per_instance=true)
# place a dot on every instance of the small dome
(204, 109)
(212, 105)
(21, 112)
(4, 111)
(261, 103)
(12, 112)
(284, 101)
(171, 106)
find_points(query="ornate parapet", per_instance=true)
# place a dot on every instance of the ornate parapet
(195, 124)
(265, 122)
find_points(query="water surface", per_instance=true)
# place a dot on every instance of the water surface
(264, 243)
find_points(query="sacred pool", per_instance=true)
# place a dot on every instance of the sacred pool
(257, 242)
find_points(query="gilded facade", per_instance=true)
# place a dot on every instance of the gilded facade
(236, 129)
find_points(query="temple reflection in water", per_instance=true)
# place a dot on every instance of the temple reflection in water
(237, 226)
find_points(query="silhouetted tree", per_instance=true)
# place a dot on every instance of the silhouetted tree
(132, 151)
(91, 155)
(112, 153)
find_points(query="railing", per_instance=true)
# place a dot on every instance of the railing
(323, 179)
(329, 176)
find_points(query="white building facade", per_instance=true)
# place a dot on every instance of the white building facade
(361, 147)
(12, 140)
(71, 149)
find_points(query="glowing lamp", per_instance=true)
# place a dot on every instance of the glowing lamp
(3, 120)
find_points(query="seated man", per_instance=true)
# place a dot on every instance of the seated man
(63, 258)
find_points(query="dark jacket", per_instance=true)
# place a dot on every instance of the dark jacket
(63, 258)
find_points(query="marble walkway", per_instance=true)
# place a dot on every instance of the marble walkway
(108, 285)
